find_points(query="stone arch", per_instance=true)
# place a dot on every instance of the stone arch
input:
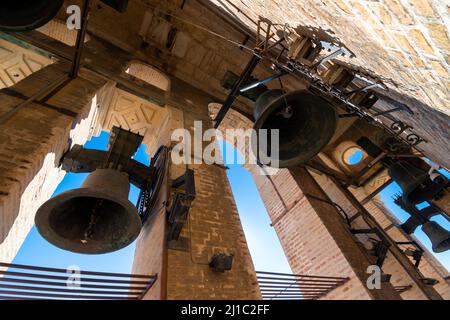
(149, 74)
(17, 63)
(233, 120)
(118, 107)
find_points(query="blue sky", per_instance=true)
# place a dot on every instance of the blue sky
(262, 240)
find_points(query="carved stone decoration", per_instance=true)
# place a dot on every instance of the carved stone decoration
(17, 63)
(132, 113)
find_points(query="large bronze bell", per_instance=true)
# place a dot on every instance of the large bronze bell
(25, 15)
(415, 182)
(96, 218)
(306, 123)
(440, 237)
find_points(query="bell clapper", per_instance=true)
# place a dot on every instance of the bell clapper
(94, 218)
(286, 112)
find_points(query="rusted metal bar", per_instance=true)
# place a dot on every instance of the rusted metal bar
(299, 289)
(303, 284)
(311, 296)
(296, 286)
(68, 290)
(251, 65)
(68, 296)
(64, 284)
(273, 295)
(144, 292)
(18, 298)
(16, 94)
(292, 289)
(264, 81)
(298, 280)
(303, 287)
(290, 298)
(99, 288)
(44, 276)
(59, 270)
(302, 275)
(281, 295)
(298, 294)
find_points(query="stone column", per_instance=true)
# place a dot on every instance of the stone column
(213, 225)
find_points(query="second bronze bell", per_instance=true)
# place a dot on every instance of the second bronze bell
(305, 121)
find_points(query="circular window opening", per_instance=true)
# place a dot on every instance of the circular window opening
(353, 156)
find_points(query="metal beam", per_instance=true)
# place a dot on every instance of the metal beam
(81, 35)
(251, 65)
(264, 81)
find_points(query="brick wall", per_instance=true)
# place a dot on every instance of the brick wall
(213, 225)
(308, 245)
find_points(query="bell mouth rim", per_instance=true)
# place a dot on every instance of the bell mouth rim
(264, 115)
(42, 215)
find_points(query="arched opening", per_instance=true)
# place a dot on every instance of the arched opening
(353, 156)
(149, 74)
(350, 157)
(262, 240)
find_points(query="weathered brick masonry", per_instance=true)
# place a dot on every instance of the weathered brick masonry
(213, 225)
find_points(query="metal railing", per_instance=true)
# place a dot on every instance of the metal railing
(23, 282)
(283, 286)
(401, 289)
